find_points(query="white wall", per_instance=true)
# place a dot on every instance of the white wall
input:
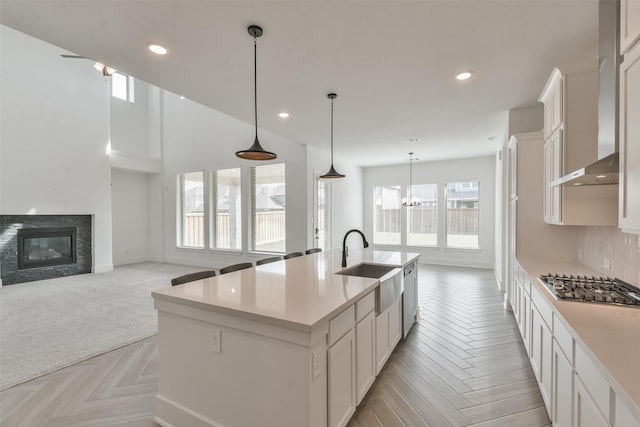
(346, 194)
(130, 212)
(136, 196)
(198, 138)
(442, 172)
(54, 135)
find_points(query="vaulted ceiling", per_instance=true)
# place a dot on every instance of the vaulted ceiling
(392, 63)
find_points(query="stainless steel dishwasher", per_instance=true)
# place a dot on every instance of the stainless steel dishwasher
(409, 297)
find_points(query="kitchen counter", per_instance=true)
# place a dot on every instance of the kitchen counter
(610, 333)
(299, 293)
(258, 346)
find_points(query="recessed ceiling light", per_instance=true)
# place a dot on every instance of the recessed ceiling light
(464, 75)
(283, 115)
(601, 176)
(157, 49)
(182, 97)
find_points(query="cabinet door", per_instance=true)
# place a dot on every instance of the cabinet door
(365, 355)
(629, 196)
(557, 170)
(562, 407)
(382, 339)
(586, 413)
(629, 23)
(395, 324)
(541, 355)
(553, 169)
(341, 360)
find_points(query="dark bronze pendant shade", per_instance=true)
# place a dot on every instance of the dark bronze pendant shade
(255, 152)
(332, 171)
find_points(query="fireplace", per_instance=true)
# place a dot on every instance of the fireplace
(41, 247)
(38, 247)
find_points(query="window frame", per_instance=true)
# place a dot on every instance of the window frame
(446, 216)
(252, 227)
(212, 217)
(180, 235)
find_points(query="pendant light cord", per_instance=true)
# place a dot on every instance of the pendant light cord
(331, 131)
(255, 82)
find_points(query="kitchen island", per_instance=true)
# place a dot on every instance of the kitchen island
(289, 343)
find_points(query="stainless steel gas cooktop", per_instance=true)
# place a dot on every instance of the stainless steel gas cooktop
(604, 290)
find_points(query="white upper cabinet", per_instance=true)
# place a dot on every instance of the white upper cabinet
(629, 188)
(570, 100)
(629, 24)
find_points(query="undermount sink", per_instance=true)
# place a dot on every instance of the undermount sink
(390, 288)
(373, 271)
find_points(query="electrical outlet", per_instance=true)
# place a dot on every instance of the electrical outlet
(606, 264)
(215, 340)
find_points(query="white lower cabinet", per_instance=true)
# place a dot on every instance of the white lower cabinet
(586, 412)
(341, 364)
(562, 389)
(388, 333)
(541, 354)
(366, 355)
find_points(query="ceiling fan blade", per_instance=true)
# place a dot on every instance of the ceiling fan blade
(72, 56)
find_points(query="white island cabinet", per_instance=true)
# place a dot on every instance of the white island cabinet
(289, 343)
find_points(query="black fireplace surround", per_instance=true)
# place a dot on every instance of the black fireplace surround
(37, 247)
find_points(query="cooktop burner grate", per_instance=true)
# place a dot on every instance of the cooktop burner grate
(604, 290)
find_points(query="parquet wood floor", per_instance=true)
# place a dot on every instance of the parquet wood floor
(463, 364)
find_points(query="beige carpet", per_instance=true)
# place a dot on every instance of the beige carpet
(50, 324)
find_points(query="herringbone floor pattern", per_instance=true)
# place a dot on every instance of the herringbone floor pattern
(462, 365)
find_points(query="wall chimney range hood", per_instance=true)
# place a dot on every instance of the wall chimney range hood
(605, 170)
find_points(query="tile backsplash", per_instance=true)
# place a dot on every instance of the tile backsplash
(597, 245)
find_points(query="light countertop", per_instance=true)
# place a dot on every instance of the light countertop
(300, 293)
(610, 333)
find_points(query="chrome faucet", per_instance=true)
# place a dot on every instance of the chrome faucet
(345, 250)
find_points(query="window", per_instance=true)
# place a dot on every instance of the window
(191, 202)
(122, 87)
(463, 214)
(268, 208)
(386, 215)
(323, 217)
(422, 221)
(226, 210)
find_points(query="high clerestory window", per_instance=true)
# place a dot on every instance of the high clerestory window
(122, 87)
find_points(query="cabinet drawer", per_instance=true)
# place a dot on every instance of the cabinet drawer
(563, 338)
(543, 306)
(365, 305)
(340, 325)
(595, 384)
(623, 416)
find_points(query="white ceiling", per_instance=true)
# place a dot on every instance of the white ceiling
(392, 63)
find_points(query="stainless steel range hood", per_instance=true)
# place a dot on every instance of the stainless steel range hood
(605, 170)
(602, 172)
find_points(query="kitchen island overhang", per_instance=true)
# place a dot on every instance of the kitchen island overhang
(250, 347)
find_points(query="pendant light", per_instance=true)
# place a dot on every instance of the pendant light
(332, 171)
(411, 201)
(255, 152)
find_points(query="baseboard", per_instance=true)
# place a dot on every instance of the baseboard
(455, 263)
(170, 414)
(188, 261)
(103, 268)
(131, 260)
